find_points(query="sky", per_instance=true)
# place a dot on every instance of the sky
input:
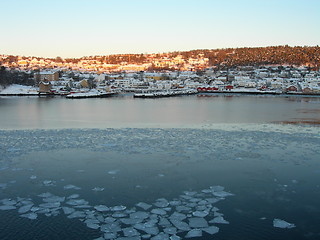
(76, 28)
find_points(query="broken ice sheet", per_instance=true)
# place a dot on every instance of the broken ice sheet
(7, 207)
(219, 219)
(198, 222)
(70, 186)
(113, 172)
(31, 216)
(101, 208)
(194, 233)
(282, 224)
(48, 183)
(97, 189)
(143, 205)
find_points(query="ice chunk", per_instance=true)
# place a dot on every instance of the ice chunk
(161, 236)
(33, 177)
(198, 222)
(92, 225)
(50, 205)
(9, 202)
(118, 208)
(70, 186)
(113, 172)
(194, 233)
(178, 216)
(175, 237)
(175, 203)
(162, 203)
(152, 230)
(139, 215)
(31, 216)
(211, 230)
(109, 219)
(101, 208)
(130, 232)
(110, 235)
(129, 238)
(7, 207)
(45, 195)
(73, 196)
(222, 194)
(34, 209)
(200, 213)
(216, 188)
(119, 215)
(76, 202)
(77, 214)
(130, 221)
(67, 210)
(48, 183)
(111, 227)
(98, 189)
(54, 199)
(189, 193)
(282, 224)
(158, 211)
(183, 209)
(143, 205)
(25, 208)
(180, 225)
(170, 230)
(219, 219)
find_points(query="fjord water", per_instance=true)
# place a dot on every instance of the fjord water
(122, 151)
(125, 111)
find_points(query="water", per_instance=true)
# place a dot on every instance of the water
(271, 171)
(187, 111)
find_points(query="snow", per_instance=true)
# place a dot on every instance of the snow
(17, 89)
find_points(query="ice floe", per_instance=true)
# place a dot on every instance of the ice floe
(186, 216)
(282, 224)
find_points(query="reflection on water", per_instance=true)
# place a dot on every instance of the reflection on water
(124, 111)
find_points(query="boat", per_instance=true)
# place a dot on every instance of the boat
(93, 93)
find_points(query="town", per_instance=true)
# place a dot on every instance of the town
(269, 70)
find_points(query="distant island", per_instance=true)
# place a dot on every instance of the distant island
(275, 69)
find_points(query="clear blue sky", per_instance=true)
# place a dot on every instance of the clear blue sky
(75, 28)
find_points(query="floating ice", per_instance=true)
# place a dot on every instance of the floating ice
(211, 230)
(119, 215)
(33, 177)
(73, 196)
(113, 172)
(200, 213)
(161, 236)
(282, 224)
(92, 225)
(45, 195)
(31, 216)
(111, 227)
(50, 205)
(77, 202)
(68, 210)
(109, 236)
(98, 189)
(54, 199)
(175, 237)
(161, 202)
(170, 230)
(139, 215)
(48, 183)
(130, 232)
(130, 221)
(143, 205)
(77, 214)
(7, 207)
(222, 194)
(25, 208)
(178, 216)
(152, 230)
(101, 208)
(194, 233)
(180, 225)
(164, 222)
(118, 208)
(70, 186)
(198, 222)
(9, 202)
(158, 211)
(219, 219)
